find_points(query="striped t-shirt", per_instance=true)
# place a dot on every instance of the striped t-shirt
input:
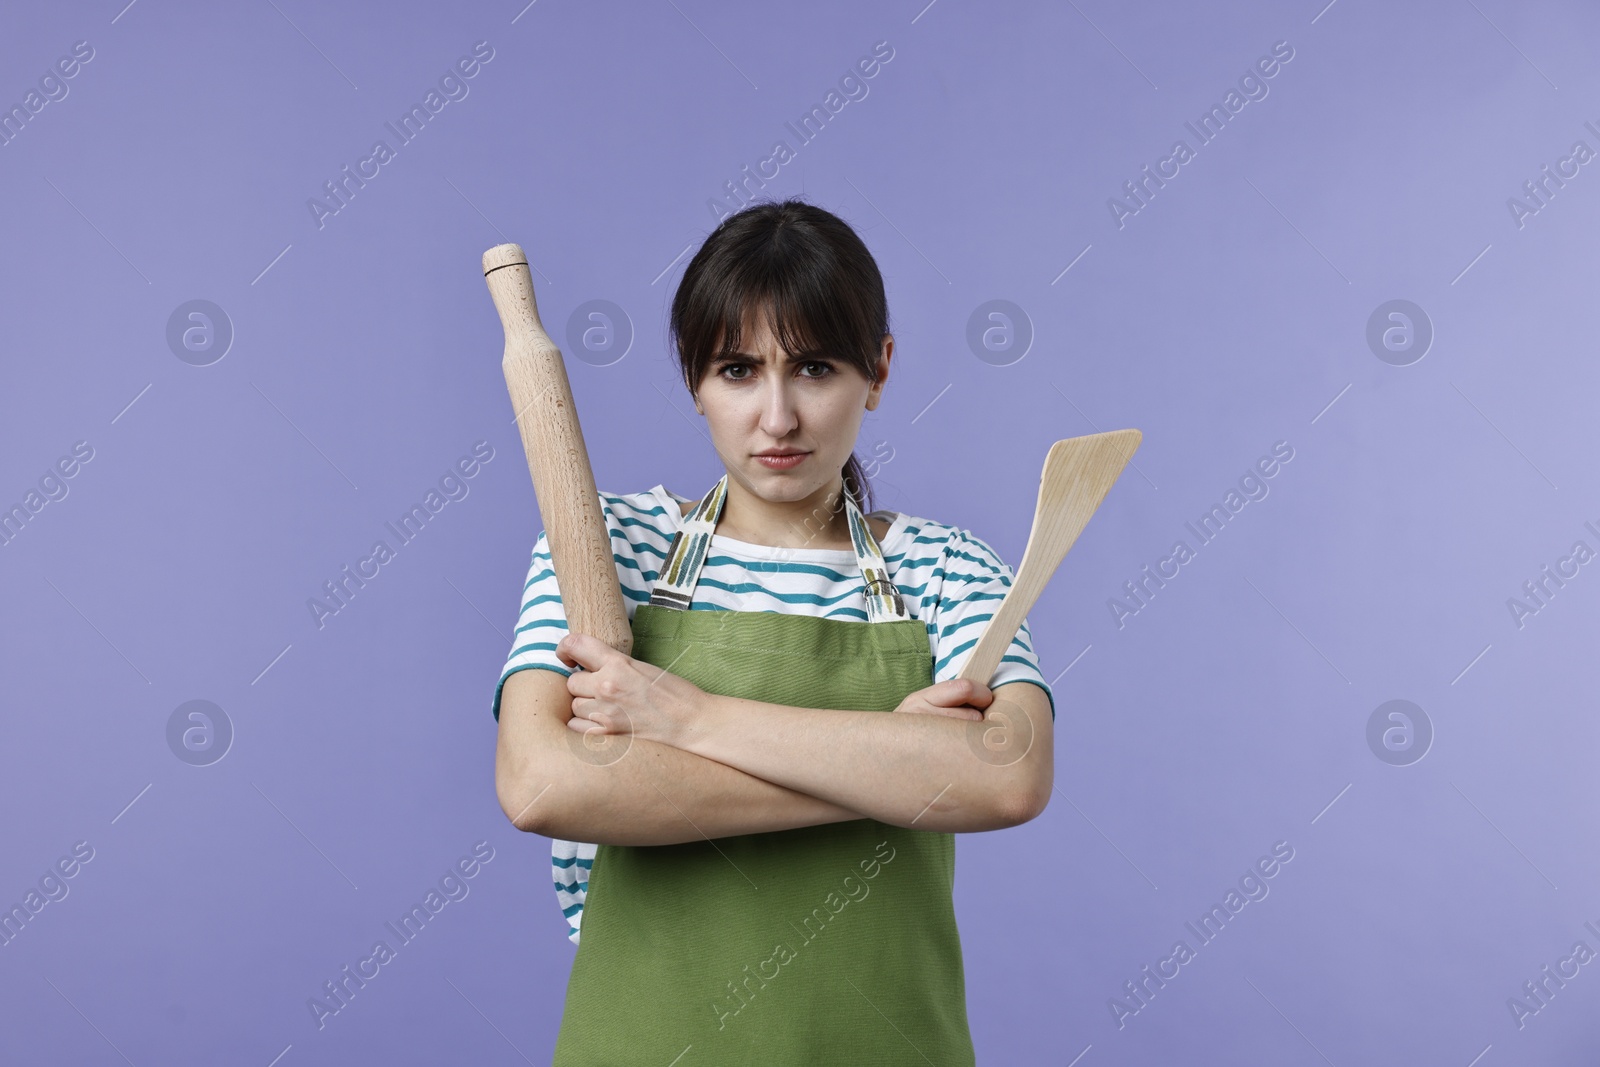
(949, 578)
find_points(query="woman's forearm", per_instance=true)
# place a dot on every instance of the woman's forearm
(660, 795)
(653, 794)
(927, 772)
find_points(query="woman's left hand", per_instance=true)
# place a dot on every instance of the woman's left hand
(617, 694)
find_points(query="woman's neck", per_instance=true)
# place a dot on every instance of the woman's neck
(818, 521)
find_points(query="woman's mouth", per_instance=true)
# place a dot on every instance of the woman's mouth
(782, 463)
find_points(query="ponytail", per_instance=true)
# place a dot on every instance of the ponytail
(855, 483)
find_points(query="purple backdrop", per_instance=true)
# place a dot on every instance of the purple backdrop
(1365, 273)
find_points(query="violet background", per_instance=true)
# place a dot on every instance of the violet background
(1230, 313)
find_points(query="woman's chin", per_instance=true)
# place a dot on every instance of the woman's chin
(782, 487)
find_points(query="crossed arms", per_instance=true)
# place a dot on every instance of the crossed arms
(708, 766)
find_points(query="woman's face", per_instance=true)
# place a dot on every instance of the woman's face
(759, 399)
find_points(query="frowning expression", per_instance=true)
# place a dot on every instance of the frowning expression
(761, 402)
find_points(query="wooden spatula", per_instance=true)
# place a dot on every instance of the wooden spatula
(1078, 472)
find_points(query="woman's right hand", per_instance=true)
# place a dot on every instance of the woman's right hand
(957, 698)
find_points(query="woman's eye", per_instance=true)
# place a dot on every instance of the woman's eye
(823, 370)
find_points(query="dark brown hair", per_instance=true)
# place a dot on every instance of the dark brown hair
(804, 268)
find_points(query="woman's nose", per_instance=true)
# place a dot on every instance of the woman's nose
(778, 414)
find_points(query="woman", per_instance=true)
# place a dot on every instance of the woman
(773, 877)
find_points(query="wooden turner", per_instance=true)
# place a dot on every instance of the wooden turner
(1078, 472)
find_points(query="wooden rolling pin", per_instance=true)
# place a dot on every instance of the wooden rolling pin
(552, 440)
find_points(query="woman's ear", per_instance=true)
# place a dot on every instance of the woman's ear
(875, 392)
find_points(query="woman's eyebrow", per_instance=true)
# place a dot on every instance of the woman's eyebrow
(802, 357)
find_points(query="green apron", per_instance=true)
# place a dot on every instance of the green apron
(832, 944)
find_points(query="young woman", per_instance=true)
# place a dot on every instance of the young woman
(775, 856)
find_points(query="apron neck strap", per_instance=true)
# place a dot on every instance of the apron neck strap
(680, 572)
